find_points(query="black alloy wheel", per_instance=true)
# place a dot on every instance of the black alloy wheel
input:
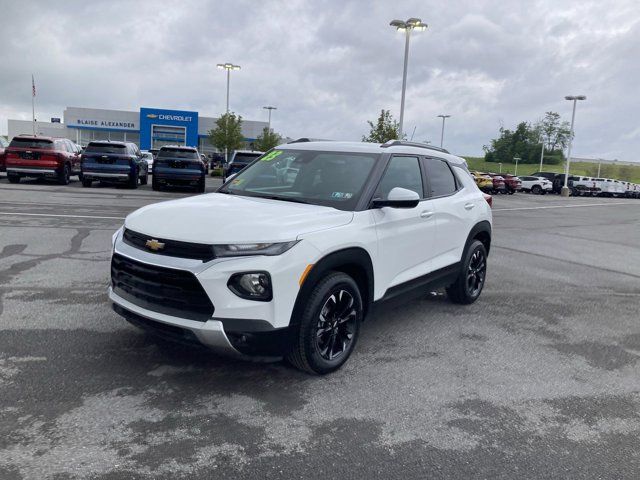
(476, 273)
(328, 327)
(336, 325)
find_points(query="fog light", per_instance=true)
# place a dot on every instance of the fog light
(251, 285)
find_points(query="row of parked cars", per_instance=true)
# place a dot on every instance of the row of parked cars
(110, 162)
(541, 183)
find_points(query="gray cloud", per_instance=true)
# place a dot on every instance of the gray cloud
(329, 66)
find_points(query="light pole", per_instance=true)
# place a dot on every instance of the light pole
(270, 108)
(515, 172)
(228, 67)
(565, 189)
(406, 26)
(444, 117)
(542, 151)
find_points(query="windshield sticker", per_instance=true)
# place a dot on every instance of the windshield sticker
(270, 156)
(237, 181)
(341, 195)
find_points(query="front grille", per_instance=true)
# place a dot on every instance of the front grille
(164, 290)
(171, 248)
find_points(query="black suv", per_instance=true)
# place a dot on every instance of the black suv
(114, 162)
(556, 178)
(179, 166)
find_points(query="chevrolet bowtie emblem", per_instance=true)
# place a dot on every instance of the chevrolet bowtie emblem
(154, 244)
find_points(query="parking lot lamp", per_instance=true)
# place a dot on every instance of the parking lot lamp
(228, 67)
(442, 132)
(517, 159)
(406, 27)
(270, 108)
(541, 151)
(565, 189)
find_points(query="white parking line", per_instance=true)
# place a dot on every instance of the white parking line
(19, 214)
(563, 206)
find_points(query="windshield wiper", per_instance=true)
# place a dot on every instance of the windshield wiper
(286, 199)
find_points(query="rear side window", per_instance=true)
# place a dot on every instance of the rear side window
(31, 143)
(403, 172)
(106, 148)
(440, 177)
(246, 157)
(178, 153)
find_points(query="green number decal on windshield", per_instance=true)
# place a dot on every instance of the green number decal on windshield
(270, 156)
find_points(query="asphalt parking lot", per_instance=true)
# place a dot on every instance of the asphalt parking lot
(538, 379)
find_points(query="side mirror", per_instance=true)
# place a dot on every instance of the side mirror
(398, 198)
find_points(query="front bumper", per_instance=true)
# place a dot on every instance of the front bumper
(236, 326)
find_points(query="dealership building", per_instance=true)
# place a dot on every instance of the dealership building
(149, 127)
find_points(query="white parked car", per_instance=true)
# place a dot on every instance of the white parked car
(536, 185)
(148, 157)
(290, 265)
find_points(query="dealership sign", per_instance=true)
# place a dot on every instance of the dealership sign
(105, 123)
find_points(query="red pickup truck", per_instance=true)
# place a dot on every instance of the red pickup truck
(42, 157)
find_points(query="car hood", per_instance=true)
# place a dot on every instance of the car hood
(221, 218)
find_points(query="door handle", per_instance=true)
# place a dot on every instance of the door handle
(426, 214)
(469, 206)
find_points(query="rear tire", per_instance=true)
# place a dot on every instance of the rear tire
(144, 180)
(64, 175)
(329, 326)
(86, 182)
(133, 180)
(155, 186)
(201, 186)
(13, 178)
(468, 286)
(536, 190)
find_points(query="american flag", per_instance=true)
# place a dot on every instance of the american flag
(33, 86)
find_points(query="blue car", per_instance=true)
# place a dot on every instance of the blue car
(178, 166)
(113, 162)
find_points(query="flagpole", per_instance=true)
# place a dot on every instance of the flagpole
(33, 104)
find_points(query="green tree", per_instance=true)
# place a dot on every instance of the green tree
(385, 129)
(227, 134)
(267, 140)
(554, 131)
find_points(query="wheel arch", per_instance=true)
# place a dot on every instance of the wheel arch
(481, 231)
(355, 262)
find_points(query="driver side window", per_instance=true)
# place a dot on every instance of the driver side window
(403, 172)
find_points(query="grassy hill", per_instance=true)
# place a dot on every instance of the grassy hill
(628, 173)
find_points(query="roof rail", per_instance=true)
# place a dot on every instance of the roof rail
(404, 143)
(307, 139)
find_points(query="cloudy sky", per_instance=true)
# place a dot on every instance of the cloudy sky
(331, 65)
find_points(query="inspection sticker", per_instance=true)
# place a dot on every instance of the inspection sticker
(341, 195)
(271, 155)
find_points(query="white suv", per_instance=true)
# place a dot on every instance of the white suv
(289, 263)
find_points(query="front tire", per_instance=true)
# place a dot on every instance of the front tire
(468, 286)
(86, 182)
(536, 189)
(144, 180)
(329, 327)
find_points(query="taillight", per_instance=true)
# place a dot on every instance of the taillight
(12, 155)
(489, 199)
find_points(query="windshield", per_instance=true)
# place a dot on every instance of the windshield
(31, 143)
(178, 153)
(106, 148)
(334, 179)
(3, 142)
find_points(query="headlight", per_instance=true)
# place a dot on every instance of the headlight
(243, 249)
(251, 285)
